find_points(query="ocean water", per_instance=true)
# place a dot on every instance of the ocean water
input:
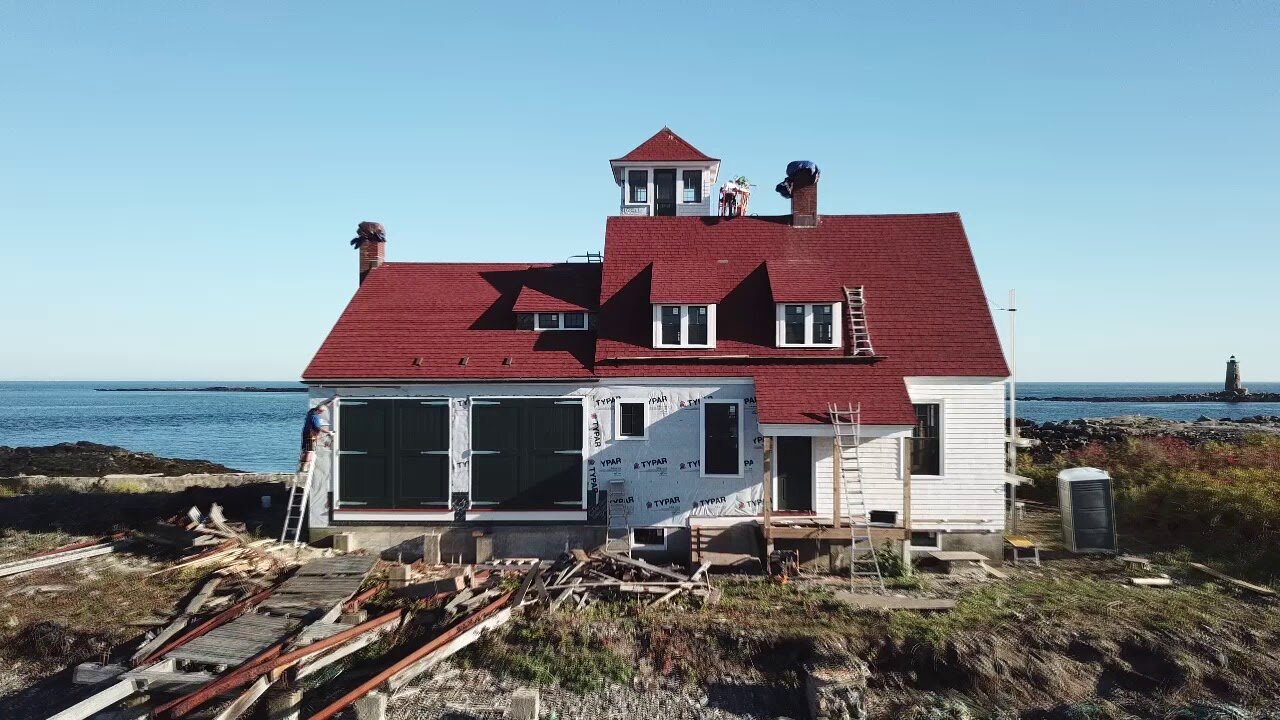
(1042, 411)
(259, 431)
(246, 431)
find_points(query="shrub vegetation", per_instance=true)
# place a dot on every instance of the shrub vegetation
(1219, 499)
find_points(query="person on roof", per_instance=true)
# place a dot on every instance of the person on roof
(313, 427)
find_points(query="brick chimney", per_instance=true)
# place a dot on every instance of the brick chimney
(371, 242)
(804, 205)
(801, 187)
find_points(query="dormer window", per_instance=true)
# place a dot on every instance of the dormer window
(684, 326)
(808, 325)
(553, 321)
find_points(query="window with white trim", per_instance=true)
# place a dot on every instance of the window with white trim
(554, 321)
(721, 447)
(681, 326)
(808, 324)
(638, 187)
(631, 420)
(652, 537)
(692, 180)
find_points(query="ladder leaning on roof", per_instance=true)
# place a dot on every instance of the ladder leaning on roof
(296, 509)
(855, 313)
(863, 562)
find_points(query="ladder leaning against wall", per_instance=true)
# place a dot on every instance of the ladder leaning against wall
(863, 561)
(296, 509)
(617, 537)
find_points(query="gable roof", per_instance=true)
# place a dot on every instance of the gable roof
(926, 309)
(418, 321)
(664, 146)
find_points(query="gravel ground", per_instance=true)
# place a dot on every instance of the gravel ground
(453, 694)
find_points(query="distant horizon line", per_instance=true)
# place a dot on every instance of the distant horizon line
(260, 380)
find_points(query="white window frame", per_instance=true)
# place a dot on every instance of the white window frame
(648, 187)
(702, 438)
(942, 439)
(537, 316)
(666, 533)
(617, 420)
(681, 186)
(780, 321)
(684, 325)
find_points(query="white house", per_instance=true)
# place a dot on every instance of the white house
(676, 389)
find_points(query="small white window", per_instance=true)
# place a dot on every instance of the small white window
(654, 538)
(631, 420)
(684, 326)
(692, 183)
(548, 321)
(808, 324)
(575, 321)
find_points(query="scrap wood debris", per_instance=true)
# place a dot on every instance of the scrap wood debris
(454, 605)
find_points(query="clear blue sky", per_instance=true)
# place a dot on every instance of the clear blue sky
(178, 181)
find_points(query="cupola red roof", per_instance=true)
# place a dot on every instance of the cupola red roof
(665, 146)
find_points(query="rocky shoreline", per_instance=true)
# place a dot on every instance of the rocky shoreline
(1059, 437)
(1224, 397)
(86, 459)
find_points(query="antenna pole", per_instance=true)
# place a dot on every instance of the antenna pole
(1013, 411)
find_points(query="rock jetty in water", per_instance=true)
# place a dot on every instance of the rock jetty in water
(1059, 437)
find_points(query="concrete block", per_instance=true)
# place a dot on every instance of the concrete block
(399, 576)
(453, 580)
(284, 703)
(344, 542)
(484, 548)
(431, 549)
(372, 706)
(354, 618)
(526, 704)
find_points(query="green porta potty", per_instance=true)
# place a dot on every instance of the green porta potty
(1088, 512)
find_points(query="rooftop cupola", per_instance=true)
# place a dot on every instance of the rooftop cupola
(665, 175)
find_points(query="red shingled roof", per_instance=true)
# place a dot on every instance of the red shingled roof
(416, 321)
(664, 146)
(926, 310)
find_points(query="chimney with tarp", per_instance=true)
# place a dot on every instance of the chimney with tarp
(371, 241)
(801, 186)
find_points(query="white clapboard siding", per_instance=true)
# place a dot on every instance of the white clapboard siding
(881, 476)
(969, 495)
(970, 492)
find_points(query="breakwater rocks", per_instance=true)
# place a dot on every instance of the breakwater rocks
(86, 459)
(1179, 398)
(1059, 437)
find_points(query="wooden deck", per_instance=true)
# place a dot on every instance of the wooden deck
(821, 529)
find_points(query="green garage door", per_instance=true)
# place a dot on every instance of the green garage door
(526, 454)
(394, 454)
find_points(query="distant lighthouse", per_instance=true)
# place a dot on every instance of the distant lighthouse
(1233, 386)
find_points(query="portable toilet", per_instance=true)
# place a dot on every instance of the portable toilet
(1088, 512)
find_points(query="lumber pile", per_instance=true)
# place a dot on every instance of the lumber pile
(579, 580)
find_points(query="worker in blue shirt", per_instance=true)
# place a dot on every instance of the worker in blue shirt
(313, 427)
